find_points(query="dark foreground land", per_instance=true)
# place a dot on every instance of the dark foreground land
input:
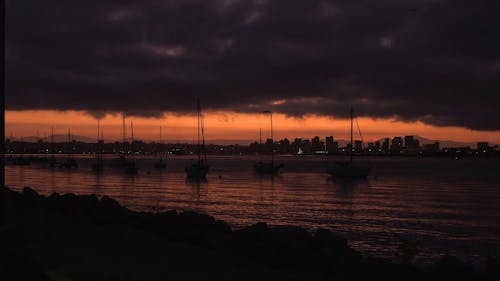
(69, 237)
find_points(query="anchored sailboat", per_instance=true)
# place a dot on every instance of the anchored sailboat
(128, 165)
(346, 169)
(98, 166)
(20, 160)
(160, 164)
(200, 169)
(268, 167)
(70, 161)
(52, 162)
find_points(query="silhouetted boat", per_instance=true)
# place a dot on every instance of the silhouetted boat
(52, 162)
(200, 169)
(98, 166)
(346, 169)
(160, 164)
(21, 161)
(131, 170)
(70, 162)
(124, 163)
(268, 167)
(128, 166)
(121, 162)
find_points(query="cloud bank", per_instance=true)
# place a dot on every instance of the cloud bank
(431, 60)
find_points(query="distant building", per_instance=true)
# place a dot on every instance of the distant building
(409, 141)
(178, 150)
(317, 144)
(284, 146)
(430, 148)
(358, 146)
(385, 146)
(483, 147)
(331, 145)
(372, 147)
(411, 145)
(303, 145)
(269, 146)
(397, 145)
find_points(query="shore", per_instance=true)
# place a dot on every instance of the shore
(70, 237)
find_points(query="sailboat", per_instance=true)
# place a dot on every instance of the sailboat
(52, 161)
(98, 166)
(199, 169)
(20, 160)
(346, 169)
(268, 167)
(122, 162)
(70, 162)
(160, 164)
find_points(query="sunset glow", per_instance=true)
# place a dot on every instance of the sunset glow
(227, 126)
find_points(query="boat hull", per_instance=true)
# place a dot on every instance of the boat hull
(98, 167)
(267, 168)
(21, 161)
(131, 170)
(160, 164)
(348, 171)
(197, 171)
(70, 163)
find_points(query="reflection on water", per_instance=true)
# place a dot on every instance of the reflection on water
(449, 206)
(347, 184)
(199, 189)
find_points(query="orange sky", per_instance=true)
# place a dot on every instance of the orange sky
(229, 126)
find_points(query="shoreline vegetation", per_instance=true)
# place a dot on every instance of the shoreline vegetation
(83, 237)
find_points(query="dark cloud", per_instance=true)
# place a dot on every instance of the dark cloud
(436, 61)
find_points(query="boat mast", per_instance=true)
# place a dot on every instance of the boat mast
(199, 125)
(131, 131)
(98, 154)
(204, 153)
(272, 139)
(123, 127)
(98, 129)
(352, 148)
(102, 145)
(131, 137)
(69, 140)
(52, 144)
(159, 145)
(123, 132)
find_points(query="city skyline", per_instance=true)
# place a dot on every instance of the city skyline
(391, 146)
(228, 126)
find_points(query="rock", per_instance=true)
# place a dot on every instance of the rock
(451, 268)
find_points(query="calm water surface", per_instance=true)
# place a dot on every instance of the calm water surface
(446, 206)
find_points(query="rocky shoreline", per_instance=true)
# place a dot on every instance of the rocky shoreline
(83, 237)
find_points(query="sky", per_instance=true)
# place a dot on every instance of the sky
(423, 67)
